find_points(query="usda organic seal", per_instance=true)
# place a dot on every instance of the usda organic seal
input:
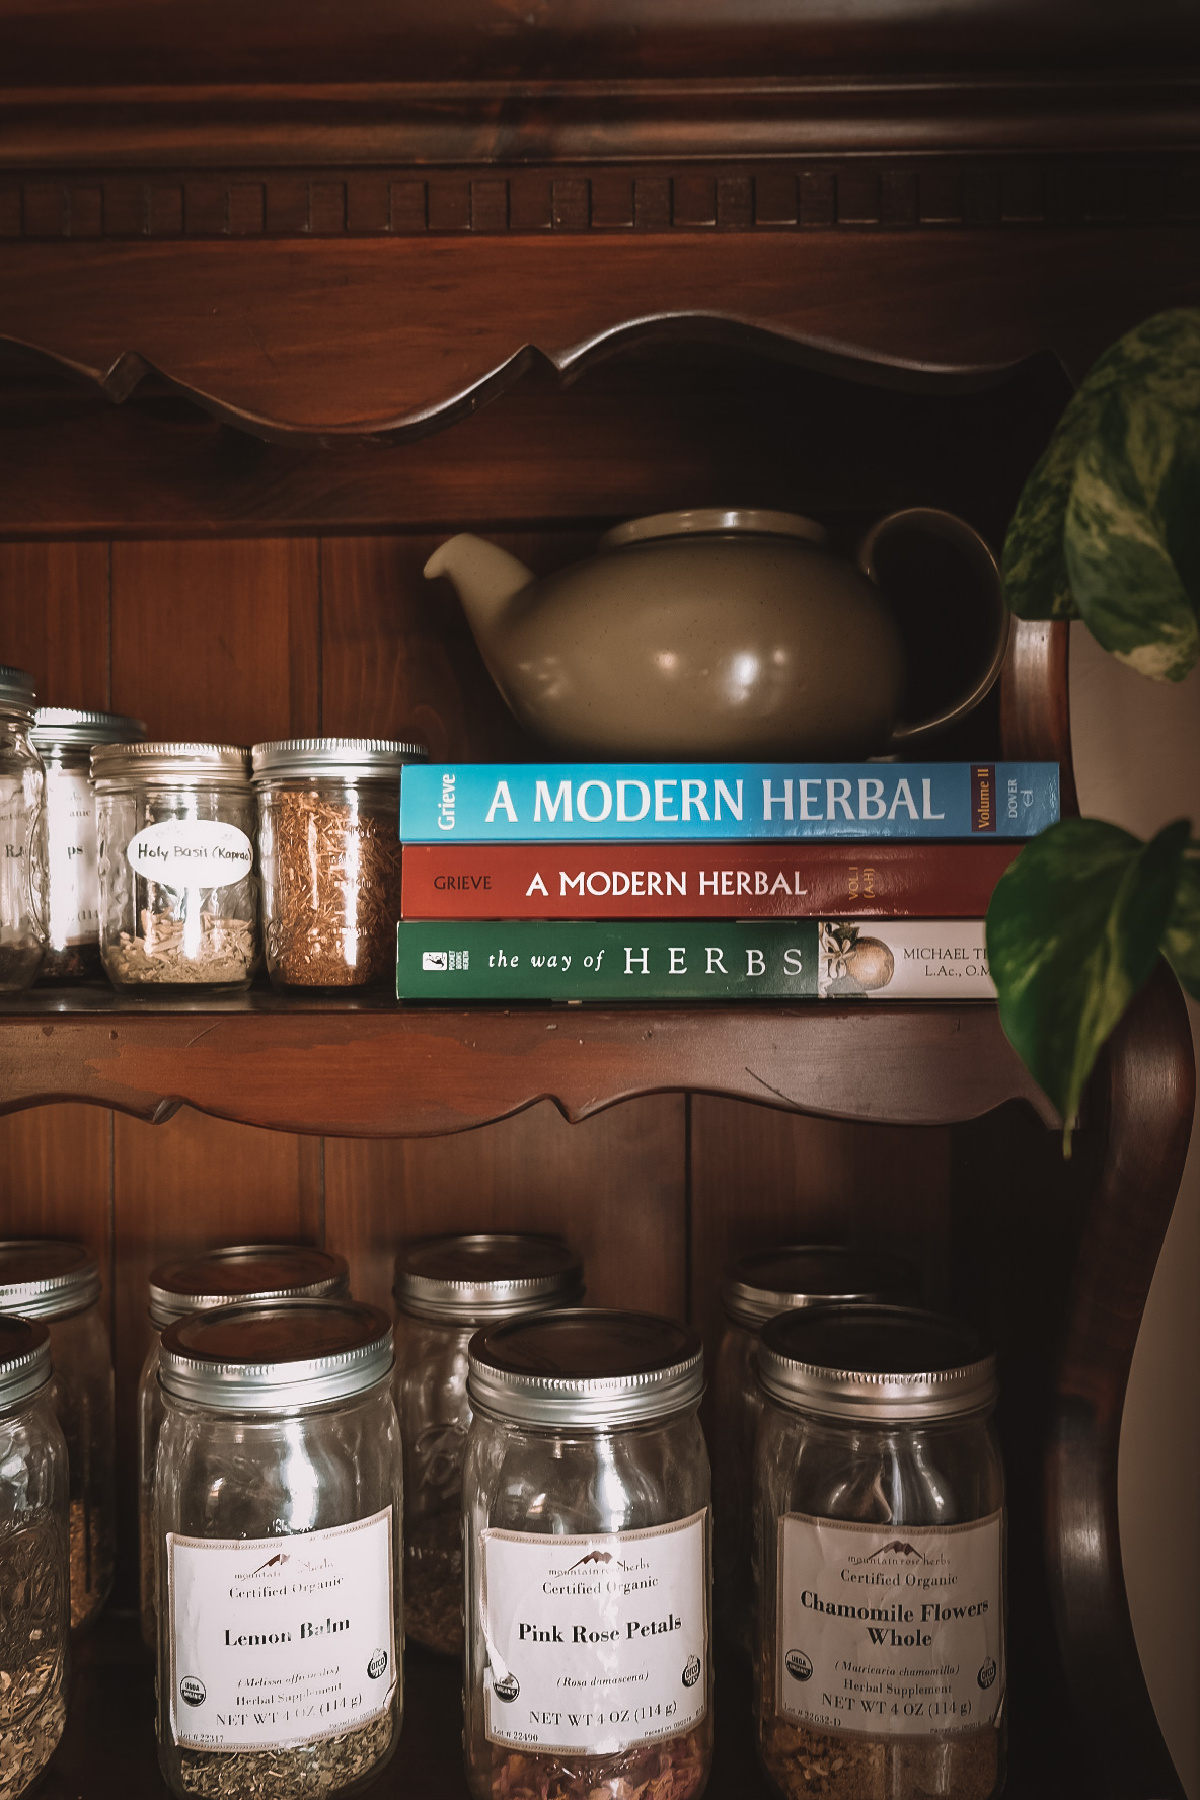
(193, 1691)
(798, 1665)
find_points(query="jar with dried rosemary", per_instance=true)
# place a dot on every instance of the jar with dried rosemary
(879, 1558)
(58, 1283)
(198, 1284)
(277, 1525)
(328, 811)
(34, 1598)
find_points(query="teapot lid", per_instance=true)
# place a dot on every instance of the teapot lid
(710, 519)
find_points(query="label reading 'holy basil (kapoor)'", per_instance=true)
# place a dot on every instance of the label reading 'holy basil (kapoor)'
(595, 1644)
(191, 853)
(280, 1641)
(890, 1630)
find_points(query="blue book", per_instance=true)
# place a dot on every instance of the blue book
(482, 803)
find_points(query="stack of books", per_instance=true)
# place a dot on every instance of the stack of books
(770, 881)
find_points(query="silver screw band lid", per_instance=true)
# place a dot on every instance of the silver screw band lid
(586, 1368)
(244, 1272)
(135, 765)
(24, 1360)
(768, 1282)
(876, 1364)
(277, 1356)
(343, 759)
(73, 728)
(46, 1278)
(16, 688)
(485, 1276)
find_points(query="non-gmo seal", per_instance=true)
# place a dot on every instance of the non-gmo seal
(377, 1664)
(193, 1691)
(987, 1673)
(798, 1665)
(506, 1688)
(691, 1672)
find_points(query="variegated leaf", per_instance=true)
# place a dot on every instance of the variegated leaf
(1181, 944)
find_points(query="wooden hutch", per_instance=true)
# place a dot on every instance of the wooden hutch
(288, 293)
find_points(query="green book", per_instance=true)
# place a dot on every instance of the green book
(710, 959)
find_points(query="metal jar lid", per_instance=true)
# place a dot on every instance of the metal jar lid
(342, 759)
(586, 1368)
(877, 1364)
(244, 1272)
(46, 1278)
(488, 1275)
(72, 728)
(138, 765)
(768, 1282)
(16, 688)
(24, 1360)
(276, 1357)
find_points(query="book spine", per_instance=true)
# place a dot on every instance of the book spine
(701, 881)
(712, 802)
(685, 960)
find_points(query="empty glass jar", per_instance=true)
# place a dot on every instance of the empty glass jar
(445, 1289)
(197, 1284)
(175, 828)
(586, 1526)
(279, 1500)
(59, 1284)
(34, 1600)
(64, 738)
(22, 836)
(879, 1558)
(758, 1288)
(329, 812)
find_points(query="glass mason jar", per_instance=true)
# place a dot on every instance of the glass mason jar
(197, 1284)
(59, 1284)
(175, 854)
(34, 1600)
(64, 739)
(586, 1523)
(329, 836)
(278, 1517)
(758, 1288)
(22, 836)
(879, 1558)
(446, 1288)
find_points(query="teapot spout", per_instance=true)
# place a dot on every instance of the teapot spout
(485, 577)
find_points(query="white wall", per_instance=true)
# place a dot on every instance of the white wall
(1137, 760)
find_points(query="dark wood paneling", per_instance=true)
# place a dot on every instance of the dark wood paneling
(613, 1186)
(54, 1178)
(54, 619)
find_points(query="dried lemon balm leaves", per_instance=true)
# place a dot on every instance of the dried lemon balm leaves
(294, 1774)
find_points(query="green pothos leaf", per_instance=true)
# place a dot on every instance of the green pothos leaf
(1073, 930)
(1181, 945)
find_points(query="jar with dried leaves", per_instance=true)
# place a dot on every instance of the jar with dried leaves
(758, 1288)
(446, 1288)
(198, 1284)
(277, 1527)
(879, 1558)
(22, 836)
(176, 864)
(34, 1600)
(58, 1283)
(586, 1529)
(328, 811)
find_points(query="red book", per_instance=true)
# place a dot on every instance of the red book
(805, 879)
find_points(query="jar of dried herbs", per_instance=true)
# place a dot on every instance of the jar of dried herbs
(446, 1288)
(58, 1284)
(22, 836)
(759, 1287)
(278, 1517)
(197, 1284)
(328, 811)
(64, 738)
(175, 856)
(586, 1527)
(34, 1600)
(879, 1558)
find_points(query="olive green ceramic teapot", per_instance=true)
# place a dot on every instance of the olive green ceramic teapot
(712, 634)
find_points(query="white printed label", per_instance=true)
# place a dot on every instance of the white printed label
(71, 831)
(890, 1630)
(598, 1643)
(192, 853)
(280, 1641)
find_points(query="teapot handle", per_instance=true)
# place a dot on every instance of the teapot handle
(933, 522)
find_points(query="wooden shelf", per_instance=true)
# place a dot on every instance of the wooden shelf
(371, 1068)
